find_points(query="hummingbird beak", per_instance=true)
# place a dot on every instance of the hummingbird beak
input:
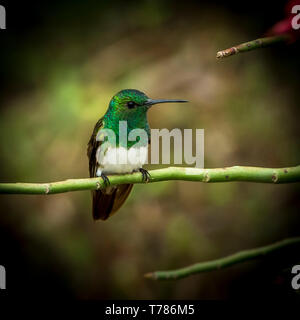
(151, 102)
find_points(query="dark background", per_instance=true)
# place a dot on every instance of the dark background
(61, 61)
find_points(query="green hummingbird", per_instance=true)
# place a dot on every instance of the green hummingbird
(131, 106)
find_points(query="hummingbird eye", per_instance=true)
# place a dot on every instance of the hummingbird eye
(131, 104)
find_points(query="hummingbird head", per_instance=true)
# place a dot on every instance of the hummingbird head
(128, 100)
(131, 101)
(130, 105)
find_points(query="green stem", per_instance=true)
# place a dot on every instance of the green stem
(236, 173)
(252, 45)
(225, 262)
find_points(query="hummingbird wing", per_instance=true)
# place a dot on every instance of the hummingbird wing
(92, 148)
(107, 201)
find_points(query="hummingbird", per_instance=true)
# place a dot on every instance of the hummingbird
(131, 106)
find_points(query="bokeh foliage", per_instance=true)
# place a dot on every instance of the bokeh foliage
(59, 77)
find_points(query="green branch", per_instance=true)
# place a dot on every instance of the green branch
(252, 45)
(225, 262)
(237, 173)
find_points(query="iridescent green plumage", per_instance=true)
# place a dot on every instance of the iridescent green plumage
(118, 110)
(128, 105)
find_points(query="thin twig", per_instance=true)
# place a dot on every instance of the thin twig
(254, 44)
(225, 262)
(236, 173)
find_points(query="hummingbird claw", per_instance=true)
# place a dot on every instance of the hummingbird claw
(145, 175)
(105, 180)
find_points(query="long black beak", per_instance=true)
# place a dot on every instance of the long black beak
(151, 102)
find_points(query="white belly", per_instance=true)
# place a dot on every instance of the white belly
(121, 160)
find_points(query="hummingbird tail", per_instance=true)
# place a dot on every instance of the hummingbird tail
(107, 203)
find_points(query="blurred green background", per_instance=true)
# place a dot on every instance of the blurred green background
(61, 62)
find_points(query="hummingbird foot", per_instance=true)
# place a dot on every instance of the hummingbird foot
(105, 180)
(99, 173)
(145, 175)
